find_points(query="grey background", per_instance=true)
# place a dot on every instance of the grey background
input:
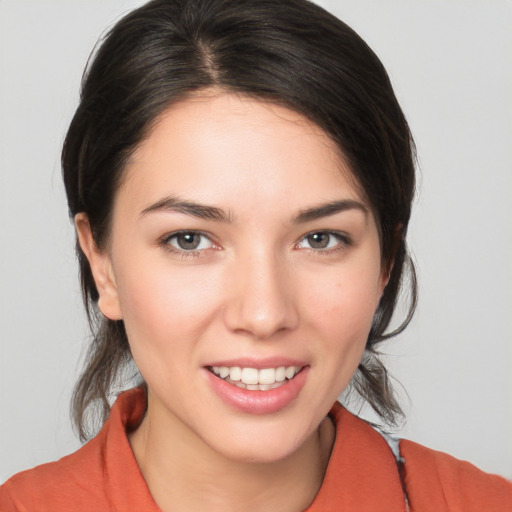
(450, 63)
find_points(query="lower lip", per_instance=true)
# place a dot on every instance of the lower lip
(258, 402)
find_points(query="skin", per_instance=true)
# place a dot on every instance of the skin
(255, 287)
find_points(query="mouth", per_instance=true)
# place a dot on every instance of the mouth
(254, 379)
(257, 387)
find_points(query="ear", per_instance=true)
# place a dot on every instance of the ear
(384, 278)
(101, 267)
(387, 268)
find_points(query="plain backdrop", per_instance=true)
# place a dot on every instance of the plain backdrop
(451, 66)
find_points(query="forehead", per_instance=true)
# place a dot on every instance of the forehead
(236, 149)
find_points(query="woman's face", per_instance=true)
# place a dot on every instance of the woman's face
(246, 267)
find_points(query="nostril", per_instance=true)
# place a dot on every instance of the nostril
(260, 301)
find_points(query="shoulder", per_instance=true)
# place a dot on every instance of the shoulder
(362, 473)
(55, 483)
(102, 472)
(438, 481)
(431, 480)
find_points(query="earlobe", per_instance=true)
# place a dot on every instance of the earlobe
(386, 274)
(101, 267)
(388, 268)
(384, 279)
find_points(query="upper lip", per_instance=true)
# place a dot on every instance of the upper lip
(260, 363)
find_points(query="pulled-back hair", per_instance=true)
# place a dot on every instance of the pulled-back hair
(288, 52)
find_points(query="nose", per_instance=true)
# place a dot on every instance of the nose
(261, 299)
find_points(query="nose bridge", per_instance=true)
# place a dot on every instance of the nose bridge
(261, 300)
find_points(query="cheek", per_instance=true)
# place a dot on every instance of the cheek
(341, 309)
(162, 306)
(165, 314)
(347, 298)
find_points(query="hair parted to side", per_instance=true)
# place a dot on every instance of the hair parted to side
(289, 52)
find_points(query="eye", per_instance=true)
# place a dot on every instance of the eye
(187, 241)
(323, 241)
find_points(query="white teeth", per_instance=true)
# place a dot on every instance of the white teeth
(267, 376)
(235, 373)
(250, 375)
(254, 379)
(290, 372)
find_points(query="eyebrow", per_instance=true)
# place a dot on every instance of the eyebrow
(175, 204)
(202, 211)
(327, 209)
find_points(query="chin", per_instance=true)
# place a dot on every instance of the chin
(262, 447)
(258, 453)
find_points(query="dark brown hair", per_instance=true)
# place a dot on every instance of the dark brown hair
(290, 52)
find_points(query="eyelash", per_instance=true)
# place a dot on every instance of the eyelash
(343, 241)
(194, 253)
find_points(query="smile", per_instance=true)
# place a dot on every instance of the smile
(262, 390)
(254, 379)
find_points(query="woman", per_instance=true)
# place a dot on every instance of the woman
(241, 175)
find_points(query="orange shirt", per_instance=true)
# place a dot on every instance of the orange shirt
(362, 475)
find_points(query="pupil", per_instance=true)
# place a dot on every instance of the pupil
(188, 241)
(318, 240)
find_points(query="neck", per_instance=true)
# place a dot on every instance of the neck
(184, 473)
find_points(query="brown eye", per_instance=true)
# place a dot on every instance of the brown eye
(319, 240)
(323, 241)
(189, 241)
